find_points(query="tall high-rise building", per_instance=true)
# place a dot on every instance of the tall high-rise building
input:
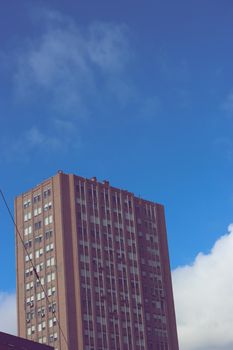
(102, 257)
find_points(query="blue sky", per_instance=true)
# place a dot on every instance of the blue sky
(137, 93)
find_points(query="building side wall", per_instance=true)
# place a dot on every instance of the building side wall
(20, 284)
(67, 267)
(172, 329)
(76, 306)
(58, 189)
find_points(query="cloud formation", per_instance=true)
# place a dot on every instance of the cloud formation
(72, 75)
(203, 296)
(8, 321)
(67, 64)
(68, 74)
(62, 135)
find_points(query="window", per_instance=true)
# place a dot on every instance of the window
(29, 285)
(49, 247)
(28, 244)
(48, 234)
(36, 198)
(37, 211)
(27, 216)
(52, 322)
(37, 225)
(48, 220)
(40, 282)
(39, 267)
(31, 330)
(41, 326)
(50, 262)
(48, 206)
(51, 291)
(26, 203)
(29, 316)
(52, 307)
(38, 239)
(29, 272)
(47, 193)
(41, 312)
(30, 301)
(40, 296)
(39, 252)
(51, 277)
(42, 340)
(27, 230)
(51, 339)
(28, 257)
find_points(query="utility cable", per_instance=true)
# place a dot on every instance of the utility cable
(32, 264)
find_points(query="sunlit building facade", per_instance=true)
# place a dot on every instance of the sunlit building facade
(102, 257)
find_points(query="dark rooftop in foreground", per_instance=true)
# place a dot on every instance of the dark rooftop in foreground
(11, 342)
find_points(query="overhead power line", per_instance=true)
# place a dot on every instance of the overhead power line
(32, 264)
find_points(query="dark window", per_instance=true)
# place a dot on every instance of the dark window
(37, 225)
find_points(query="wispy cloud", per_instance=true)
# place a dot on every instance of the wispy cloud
(64, 136)
(68, 73)
(203, 297)
(8, 320)
(68, 76)
(66, 64)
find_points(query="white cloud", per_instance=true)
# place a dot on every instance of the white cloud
(203, 295)
(8, 320)
(108, 46)
(69, 72)
(61, 136)
(67, 62)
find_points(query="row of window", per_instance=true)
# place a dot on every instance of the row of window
(38, 239)
(37, 198)
(49, 278)
(41, 311)
(37, 211)
(39, 252)
(51, 323)
(37, 225)
(148, 210)
(40, 296)
(39, 267)
(52, 337)
(92, 193)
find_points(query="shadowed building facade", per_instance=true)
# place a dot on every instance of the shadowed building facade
(102, 257)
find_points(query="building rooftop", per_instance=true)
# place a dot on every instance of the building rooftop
(11, 342)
